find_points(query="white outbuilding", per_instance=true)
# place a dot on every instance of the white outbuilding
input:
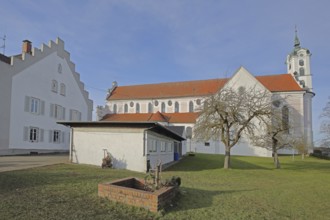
(131, 145)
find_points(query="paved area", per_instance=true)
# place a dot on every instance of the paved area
(9, 163)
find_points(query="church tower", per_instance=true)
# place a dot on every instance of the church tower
(298, 65)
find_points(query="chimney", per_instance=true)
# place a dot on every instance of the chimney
(27, 46)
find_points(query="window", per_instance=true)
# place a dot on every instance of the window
(54, 86)
(125, 108)
(169, 147)
(152, 146)
(150, 108)
(75, 115)
(169, 103)
(33, 134)
(56, 136)
(301, 62)
(176, 107)
(114, 109)
(301, 71)
(57, 111)
(137, 108)
(163, 107)
(131, 104)
(162, 146)
(207, 144)
(198, 102)
(34, 105)
(62, 89)
(191, 106)
(59, 68)
(285, 119)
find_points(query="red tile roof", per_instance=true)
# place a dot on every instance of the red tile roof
(188, 117)
(168, 90)
(279, 83)
(274, 83)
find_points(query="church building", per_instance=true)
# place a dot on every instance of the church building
(178, 103)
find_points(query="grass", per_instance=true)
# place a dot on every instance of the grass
(253, 189)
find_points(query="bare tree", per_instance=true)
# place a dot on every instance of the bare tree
(276, 133)
(229, 113)
(273, 138)
(325, 125)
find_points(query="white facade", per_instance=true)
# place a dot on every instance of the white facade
(40, 87)
(91, 143)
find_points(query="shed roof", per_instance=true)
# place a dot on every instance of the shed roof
(152, 126)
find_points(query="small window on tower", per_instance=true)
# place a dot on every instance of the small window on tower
(301, 71)
(301, 62)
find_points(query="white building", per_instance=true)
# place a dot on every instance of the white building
(38, 88)
(182, 99)
(131, 145)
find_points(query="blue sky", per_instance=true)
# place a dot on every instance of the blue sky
(152, 41)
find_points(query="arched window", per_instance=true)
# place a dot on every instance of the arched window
(163, 107)
(301, 71)
(191, 106)
(285, 119)
(54, 86)
(150, 108)
(176, 107)
(114, 109)
(62, 89)
(137, 108)
(301, 62)
(125, 108)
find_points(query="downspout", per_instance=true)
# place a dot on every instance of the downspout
(71, 145)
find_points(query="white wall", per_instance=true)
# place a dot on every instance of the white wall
(124, 145)
(155, 157)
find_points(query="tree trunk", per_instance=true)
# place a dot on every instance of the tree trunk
(303, 155)
(226, 164)
(276, 160)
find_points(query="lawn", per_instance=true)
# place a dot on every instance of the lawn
(253, 189)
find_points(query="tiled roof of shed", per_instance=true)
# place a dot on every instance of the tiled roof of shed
(186, 117)
(274, 83)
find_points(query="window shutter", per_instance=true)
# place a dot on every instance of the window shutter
(41, 136)
(42, 107)
(27, 104)
(50, 136)
(26, 134)
(62, 136)
(71, 114)
(63, 113)
(52, 110)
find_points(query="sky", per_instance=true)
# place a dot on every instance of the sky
(154, 41)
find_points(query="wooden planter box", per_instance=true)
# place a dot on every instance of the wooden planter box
(131, 191)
